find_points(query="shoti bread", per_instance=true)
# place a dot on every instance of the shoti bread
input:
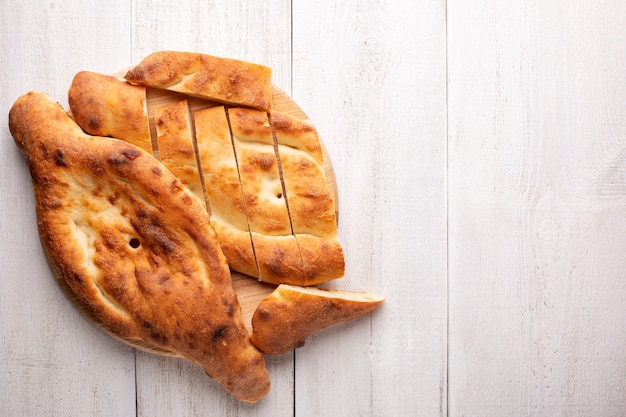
(134, 247)
(224, 80)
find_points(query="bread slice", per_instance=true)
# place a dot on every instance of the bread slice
(290, 314)
(134, 247)
(276, 249)
(223, 189)
(105, 106)
(311, 205)
(264, 197)
(312, 208)
(175, 143)
(224, 80)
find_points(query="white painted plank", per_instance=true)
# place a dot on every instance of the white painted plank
(240, 29)
(252, 31)
(53, 362)
(537, 99)
(371, 75)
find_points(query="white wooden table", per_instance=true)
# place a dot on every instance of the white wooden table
(480, 154)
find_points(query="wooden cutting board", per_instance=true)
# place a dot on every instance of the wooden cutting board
(249, 290)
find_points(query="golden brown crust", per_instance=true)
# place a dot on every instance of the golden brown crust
(223, 80)
(237, 247)
(175, 141)
(286, 317)
(134, 246)
(310, 201)
(311, 205)
(298, 134)
(297, 259)
(322, 258)
(279, 259)
(104, 106)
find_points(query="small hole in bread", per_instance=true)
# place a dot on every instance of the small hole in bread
(279, 195)
(134, 243)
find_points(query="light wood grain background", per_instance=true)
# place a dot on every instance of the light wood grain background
(480, 154)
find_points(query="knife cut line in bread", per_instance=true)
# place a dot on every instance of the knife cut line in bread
(151, 107)
(280, 168)
(156, 98)
(232, 143)
(286, 194)
(196, 156)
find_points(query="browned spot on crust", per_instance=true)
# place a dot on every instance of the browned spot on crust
(96, 167)
(59, 158)
(131, 154)
(94, 123)
(55, 204)
(117, 160)
(262, 314)
(266, 161)
(277, 263)
(219, 333)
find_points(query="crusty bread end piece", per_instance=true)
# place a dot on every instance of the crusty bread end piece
(224, 80)
(102, 105)
(286, 317)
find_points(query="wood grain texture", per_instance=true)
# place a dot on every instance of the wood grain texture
(537, 208)
(53, 362)
(372, 76)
